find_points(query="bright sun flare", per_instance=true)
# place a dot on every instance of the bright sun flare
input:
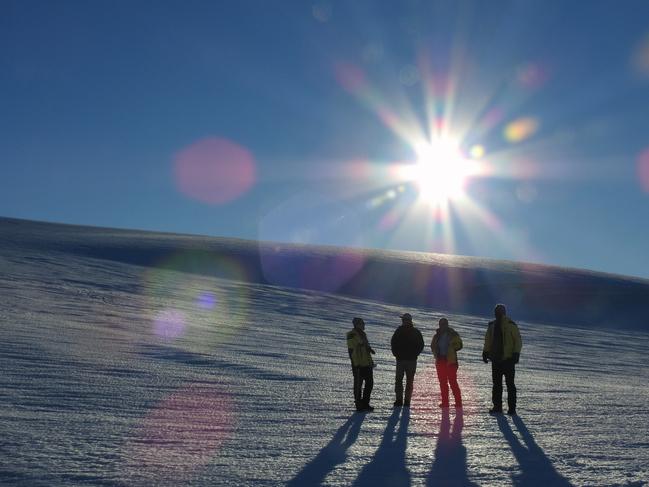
(440, 172)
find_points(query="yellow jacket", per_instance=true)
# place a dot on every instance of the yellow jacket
(512, 342)
(454, 345)
(359, 348)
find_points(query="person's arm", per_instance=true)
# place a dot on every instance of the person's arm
(394, 343)
(518, 342)
(457, 343)
(369, 347)
(420, 342)
(352, 342)
(487, 344)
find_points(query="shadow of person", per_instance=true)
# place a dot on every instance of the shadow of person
(536, 467)
(449, 467)
(331, 455)
(388, 466)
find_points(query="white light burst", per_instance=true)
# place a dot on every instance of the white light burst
(440, 171)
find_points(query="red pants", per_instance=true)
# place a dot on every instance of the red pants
(447, 375)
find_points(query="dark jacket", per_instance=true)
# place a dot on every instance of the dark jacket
(407, 343)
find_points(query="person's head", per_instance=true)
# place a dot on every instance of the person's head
(443, 324)
(406, 319)
(358, 323)
(500, 311)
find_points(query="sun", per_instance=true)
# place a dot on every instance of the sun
(440, 171)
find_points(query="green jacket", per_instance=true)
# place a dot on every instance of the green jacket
(512, 342)
(359, 348)
(454, 345)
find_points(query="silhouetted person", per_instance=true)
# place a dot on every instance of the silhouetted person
(360, 353)
(407, 343)
(445, 344)
(502, 345)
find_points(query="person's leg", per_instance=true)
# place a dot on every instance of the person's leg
(411, 369)
(510, 372)
(442, 377)
(398, 383)
(497, 390)
(357, 386)
(452, 380)
(368, 376)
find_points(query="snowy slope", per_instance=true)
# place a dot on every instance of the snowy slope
(131, 358)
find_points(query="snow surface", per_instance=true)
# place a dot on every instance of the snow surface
(132, 358)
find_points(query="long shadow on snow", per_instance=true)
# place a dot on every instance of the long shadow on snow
(449, 467)
(536, 467)
(388, 467)
(331, 455)
(192, 359)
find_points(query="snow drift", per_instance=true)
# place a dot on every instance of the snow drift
(453, 284)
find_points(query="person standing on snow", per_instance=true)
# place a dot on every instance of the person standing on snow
(502, 345)
(360, 353)
(445, 344)
(407, 343)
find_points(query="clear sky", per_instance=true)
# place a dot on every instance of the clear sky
(515, 130)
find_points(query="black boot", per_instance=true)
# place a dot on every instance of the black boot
(366, 405)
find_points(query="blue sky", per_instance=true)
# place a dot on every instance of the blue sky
(294, 121)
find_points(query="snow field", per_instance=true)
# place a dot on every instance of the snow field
(252, 386)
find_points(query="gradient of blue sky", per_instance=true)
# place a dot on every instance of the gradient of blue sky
(99, 98)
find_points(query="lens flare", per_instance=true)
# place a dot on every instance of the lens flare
(521, 129)
(373, 52)
(180, 435)
(311, 219)
(206, 300)
(643, 170)
(640, 58)
(409, 75)
(477, 151)
(533, 75)
(195, 296)
(169, 323)
(350, 77)
(383, 198)
(492, 118)
(426, 398)
(526, 193)
(322, 12)
(390, 220)
(449, 160)
(214, 170)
